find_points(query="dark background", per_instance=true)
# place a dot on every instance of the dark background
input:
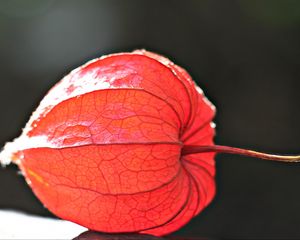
(245, 55)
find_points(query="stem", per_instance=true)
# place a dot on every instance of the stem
(191, 149)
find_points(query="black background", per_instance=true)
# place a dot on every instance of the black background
(245, 55)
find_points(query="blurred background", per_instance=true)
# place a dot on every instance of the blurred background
(245, 55)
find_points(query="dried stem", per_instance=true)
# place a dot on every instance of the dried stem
(192, 149)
